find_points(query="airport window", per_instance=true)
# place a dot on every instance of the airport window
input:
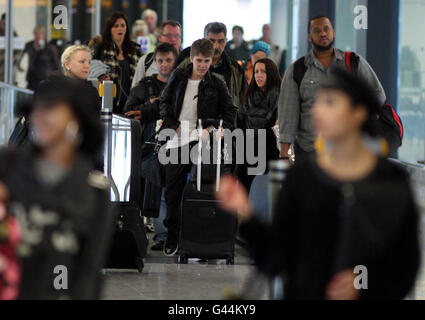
(196, 14)
(412, 81)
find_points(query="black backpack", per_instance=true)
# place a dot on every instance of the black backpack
(388, 124)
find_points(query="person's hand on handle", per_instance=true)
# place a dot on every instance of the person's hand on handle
(136, 114)
(219, 134)
(152, 100)
(341, 287)
(205, 135)
(234, 198)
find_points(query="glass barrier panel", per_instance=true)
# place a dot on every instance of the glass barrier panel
(121, 158)
(10, 98)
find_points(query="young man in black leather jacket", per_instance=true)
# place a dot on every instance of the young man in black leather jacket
(192, 94)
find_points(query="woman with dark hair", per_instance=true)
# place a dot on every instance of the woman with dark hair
(60, 203)
(120, 53)
(345, 224)
(259, 111)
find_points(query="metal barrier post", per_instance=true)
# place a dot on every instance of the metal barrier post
(106, 91)
(277, 174)
(9, 44)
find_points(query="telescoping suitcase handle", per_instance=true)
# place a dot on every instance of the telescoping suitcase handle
(199, 166)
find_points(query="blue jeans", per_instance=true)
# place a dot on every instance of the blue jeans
(158, 223)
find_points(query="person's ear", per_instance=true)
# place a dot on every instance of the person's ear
(191, 59)
(309, 38)
(67, 68)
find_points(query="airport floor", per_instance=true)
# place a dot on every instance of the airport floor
(163, 279)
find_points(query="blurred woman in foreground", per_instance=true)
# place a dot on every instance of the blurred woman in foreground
(61, 204)
(340, 211)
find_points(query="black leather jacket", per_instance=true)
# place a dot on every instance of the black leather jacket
(140, 95)
(214, 101)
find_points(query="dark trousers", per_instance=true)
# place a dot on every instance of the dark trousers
(175, 181)
(300, 154)
(272, 153)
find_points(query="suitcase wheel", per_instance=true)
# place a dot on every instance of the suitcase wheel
(183, 258)
(139, 264)
(230, 260)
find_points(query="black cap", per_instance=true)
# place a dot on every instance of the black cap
(76, 93)
(358, 89)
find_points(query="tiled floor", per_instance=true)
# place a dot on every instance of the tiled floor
(162, 278)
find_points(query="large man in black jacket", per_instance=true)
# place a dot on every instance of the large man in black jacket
(192, 94)
(222, 64)
(143, 105)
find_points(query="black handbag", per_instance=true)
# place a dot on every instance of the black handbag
(152, 170)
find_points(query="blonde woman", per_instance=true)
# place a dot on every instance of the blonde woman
(75, 62)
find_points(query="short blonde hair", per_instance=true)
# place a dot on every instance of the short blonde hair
(140, 25)
(70, 51)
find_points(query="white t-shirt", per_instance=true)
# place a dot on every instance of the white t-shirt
(188, 116)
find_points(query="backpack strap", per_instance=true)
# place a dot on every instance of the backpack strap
(352, 61)
(299, 71)
(148, 60)
(396, 119)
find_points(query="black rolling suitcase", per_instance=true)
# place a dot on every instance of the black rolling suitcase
(206, 231)
(129, 245)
